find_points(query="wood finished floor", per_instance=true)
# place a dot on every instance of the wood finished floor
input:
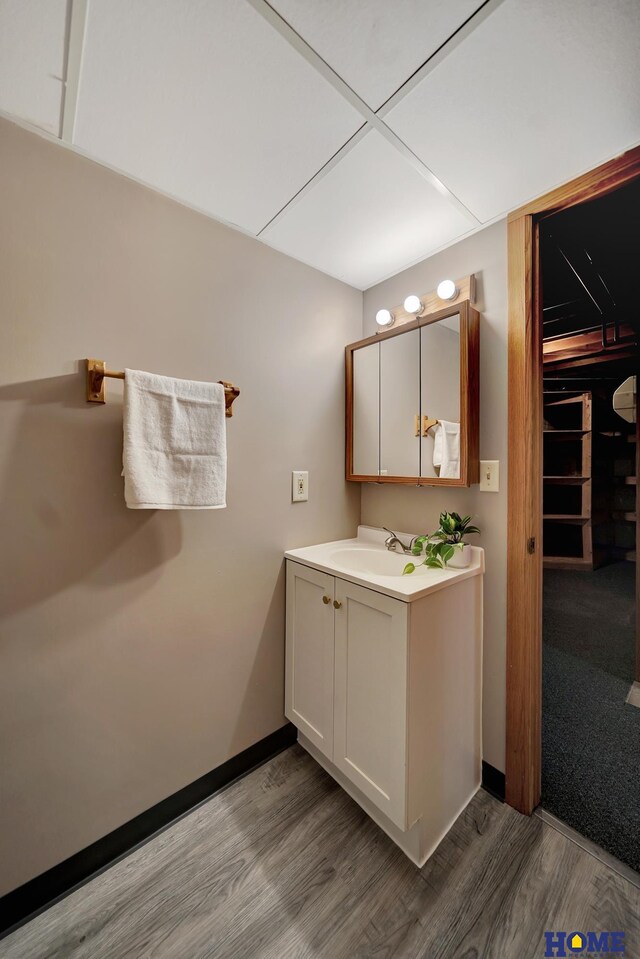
(284, 865)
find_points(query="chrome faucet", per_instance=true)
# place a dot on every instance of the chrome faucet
(391, 541)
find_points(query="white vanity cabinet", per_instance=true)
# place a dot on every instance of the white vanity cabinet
(346, 681)
(386, 695)
(310, 654)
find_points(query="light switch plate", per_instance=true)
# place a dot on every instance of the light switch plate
(299, 486)
(489, 476)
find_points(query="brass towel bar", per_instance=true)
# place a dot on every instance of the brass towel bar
(427, 423)
(97, 371)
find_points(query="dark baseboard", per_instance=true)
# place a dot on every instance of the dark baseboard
(493, 780)
(24, 903)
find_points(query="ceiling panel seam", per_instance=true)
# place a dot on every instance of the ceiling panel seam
(375, 122)
(74, 46)
(324, 169)
(423, 169)
(286, 31)
(447, 47)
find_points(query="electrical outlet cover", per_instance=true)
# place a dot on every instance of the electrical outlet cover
(299, 486)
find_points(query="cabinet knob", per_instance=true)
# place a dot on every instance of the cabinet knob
(326, 600)
(337, 604)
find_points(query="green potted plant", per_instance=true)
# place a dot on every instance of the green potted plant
(445, 547)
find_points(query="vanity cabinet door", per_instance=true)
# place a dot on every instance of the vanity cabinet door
(310, 654)
(370, 727)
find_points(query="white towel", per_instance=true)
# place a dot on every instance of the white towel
(175, 443)
(446, 449)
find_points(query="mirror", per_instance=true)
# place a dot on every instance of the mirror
(366, 410)
(399, 405)
(412, 402)
(440, 398)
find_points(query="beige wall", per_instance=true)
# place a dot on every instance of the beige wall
(416, 510)
(139, 650)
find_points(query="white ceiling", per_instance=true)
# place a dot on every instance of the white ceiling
(218, 117)
(374, 193)
(356, 136)
(32, 60)
(375, 45)
(549, 89)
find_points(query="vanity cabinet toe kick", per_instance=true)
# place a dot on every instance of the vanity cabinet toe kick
(387, 696)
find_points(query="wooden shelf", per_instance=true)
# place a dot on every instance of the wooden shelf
(622, 534)
(567, 562)
(568, 507)
(584, 489)
(565, 517)
(566, 399)
(566, 479)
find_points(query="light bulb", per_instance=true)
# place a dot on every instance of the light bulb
(413, 304)
(447, 290)
(385, 318)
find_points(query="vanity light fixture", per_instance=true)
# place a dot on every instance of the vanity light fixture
(385, 318)
(413, 304)
(447, 290)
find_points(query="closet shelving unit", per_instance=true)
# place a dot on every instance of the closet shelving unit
(568, 507)
(622, 444)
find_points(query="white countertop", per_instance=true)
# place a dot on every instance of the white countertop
(334, 558)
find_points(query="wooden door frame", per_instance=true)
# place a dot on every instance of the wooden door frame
(524, 538)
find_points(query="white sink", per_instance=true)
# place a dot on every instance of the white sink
(365, 560)
(373, 559)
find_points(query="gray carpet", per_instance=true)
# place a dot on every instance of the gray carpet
(590, 736)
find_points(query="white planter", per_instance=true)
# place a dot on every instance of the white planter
(461, 558)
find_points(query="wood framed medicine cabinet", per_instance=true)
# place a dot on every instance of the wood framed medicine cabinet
(401, 382)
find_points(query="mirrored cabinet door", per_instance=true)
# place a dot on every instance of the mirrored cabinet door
(366, 410)
(440, 444)
(400, 405)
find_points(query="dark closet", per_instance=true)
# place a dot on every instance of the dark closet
(589, 258)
